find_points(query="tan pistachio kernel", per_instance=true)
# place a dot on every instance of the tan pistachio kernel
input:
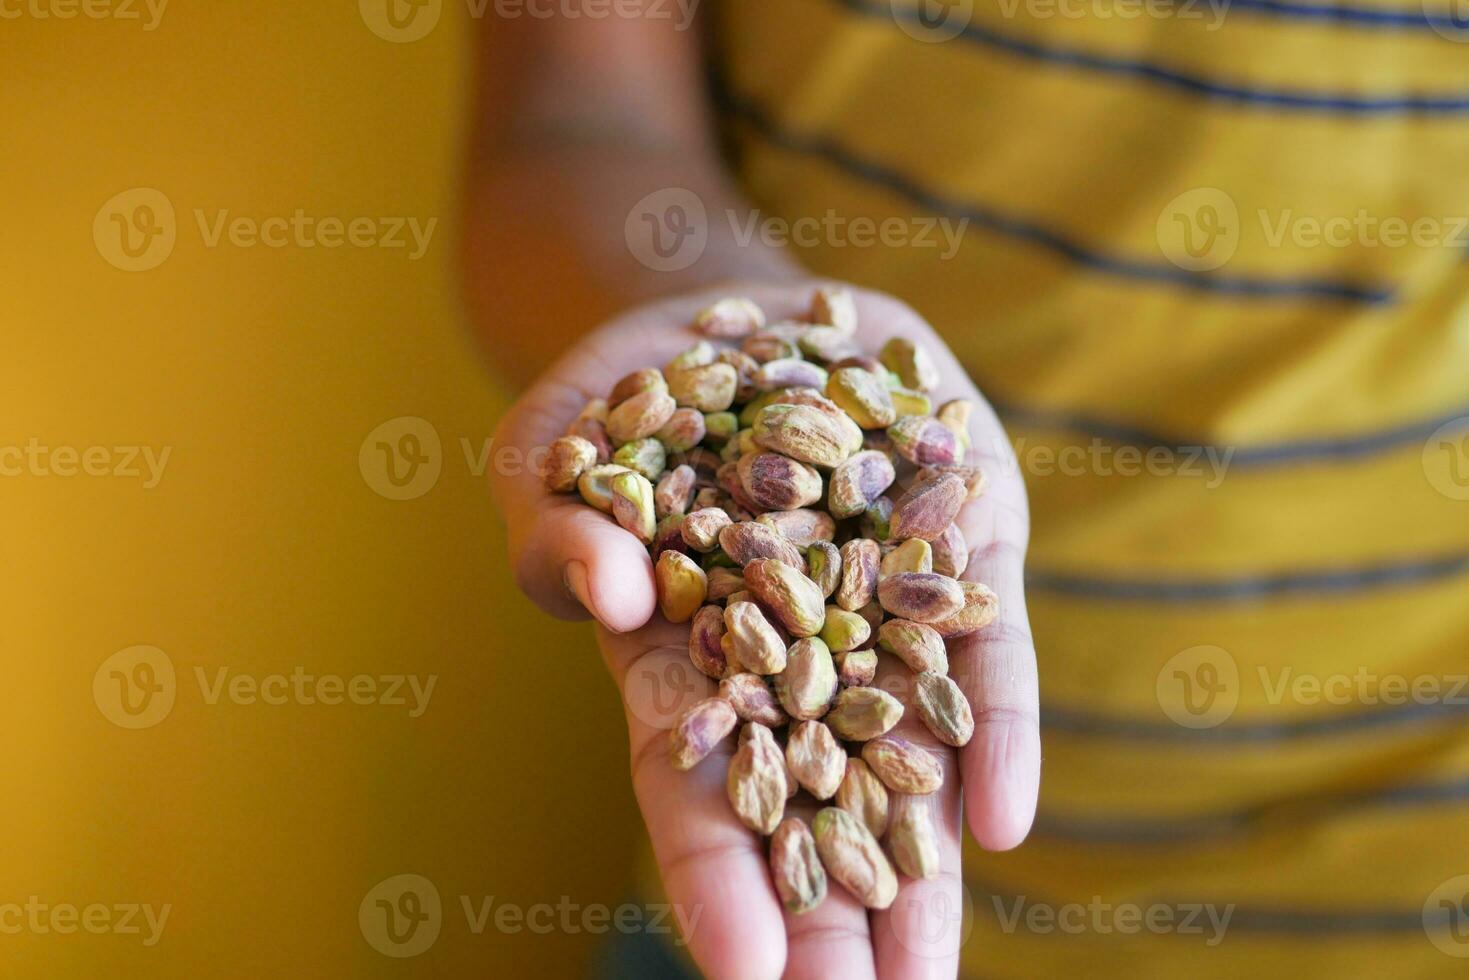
(956, 414)
(757, 779)
(794, 599)
(951, 552)
(644, 379)
(730, 319)
(708, 388)
(860, 562)
(911, 363)
(632, 505)
(924, 441)
(981, 607)
(674, 491)
(863, 396)
(843, 630)
(928, 509)
(943, 708)
(907, 402)
(567, 459)
(852, 856)
(857, 481)
(803, 433)
(809, 682)
(864, 796)
(902, 766)
(756, 644)
(752, 699)
(918, 645)
(856, 668)
(682, 586)
(816, 759)
(698, 730)
(705, 634)
(746, 541)
(862, 713)
(795, 867)
(923, 597)
(802, 527)
(835, 306)
(595, 485)
(914, 555)
(776, 482)
(701, 529)
(912, 838)
(645, 456)
(641, 416)
(724, 583)
(824, 566)
(684, 430)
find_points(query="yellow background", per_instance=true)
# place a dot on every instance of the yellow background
(263, 548)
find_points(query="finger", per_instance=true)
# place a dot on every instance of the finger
(571, 559)
(918, 936)
(831, 940)
(713, 868)
(996, 670)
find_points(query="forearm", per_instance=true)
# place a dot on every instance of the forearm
(559, 167)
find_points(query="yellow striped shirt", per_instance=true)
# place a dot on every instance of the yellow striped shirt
(1211, 269)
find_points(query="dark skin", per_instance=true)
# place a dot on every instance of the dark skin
(578, 120)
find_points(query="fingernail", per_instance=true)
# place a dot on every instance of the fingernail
(577, 583)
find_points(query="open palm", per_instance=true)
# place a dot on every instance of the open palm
(573, 560)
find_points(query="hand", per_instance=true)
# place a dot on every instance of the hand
(574, 561)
